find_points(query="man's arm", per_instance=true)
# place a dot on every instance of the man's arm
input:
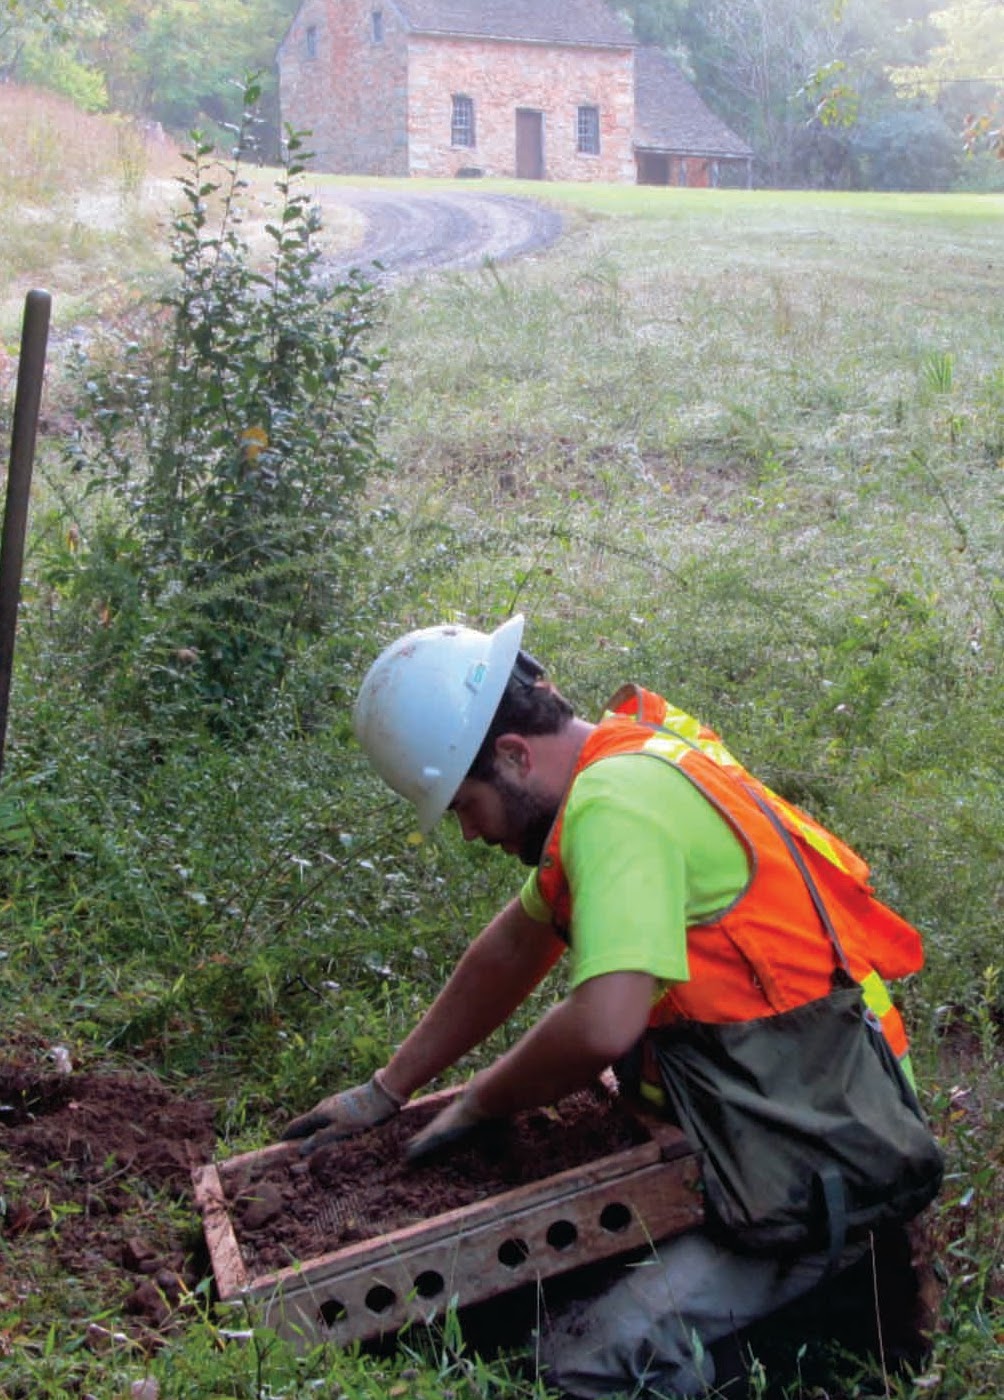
(496, 974)
(566, 1050)
(570, 1046)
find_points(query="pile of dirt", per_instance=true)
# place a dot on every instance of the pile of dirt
(90, 1164)
(295, 1207)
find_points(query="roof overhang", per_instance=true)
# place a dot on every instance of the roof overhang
(627, 45)
(698, 152)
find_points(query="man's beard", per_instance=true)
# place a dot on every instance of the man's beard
(527, 816)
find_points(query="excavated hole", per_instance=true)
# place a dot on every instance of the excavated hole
(25, 1097)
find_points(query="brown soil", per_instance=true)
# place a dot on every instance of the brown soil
(95, 1184)
(91, 1165)
(299, 1208)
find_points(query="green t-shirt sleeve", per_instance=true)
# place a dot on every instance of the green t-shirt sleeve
(646, 856)
(533, 901)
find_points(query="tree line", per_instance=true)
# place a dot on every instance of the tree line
(829, 93)
(845, 93)
(178, 62)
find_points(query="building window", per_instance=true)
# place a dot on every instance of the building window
(377, 17)
(312, 41)
(462, 123)
(587, 131)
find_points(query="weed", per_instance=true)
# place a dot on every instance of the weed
(938, 371)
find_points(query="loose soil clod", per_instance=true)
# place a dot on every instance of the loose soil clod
(92, 1160)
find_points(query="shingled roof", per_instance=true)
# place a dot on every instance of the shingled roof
(670, 114)
(585, 23)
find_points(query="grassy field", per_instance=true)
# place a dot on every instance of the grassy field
(746, 448)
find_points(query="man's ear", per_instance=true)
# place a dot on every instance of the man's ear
(513, 754)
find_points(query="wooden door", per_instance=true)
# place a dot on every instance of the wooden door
(529, 144)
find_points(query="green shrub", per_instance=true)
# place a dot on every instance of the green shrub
(224, 445)
(911, 149)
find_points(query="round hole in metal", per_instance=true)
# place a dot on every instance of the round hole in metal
(380, 1298)
(332, 1310)
(615, 1217)
(512, 1253)
(429, 1284)
(562, 1234)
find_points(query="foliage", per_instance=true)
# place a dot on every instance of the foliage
(227, 447)
(50, 65)
(906, 150)
(967, 49)
(33, 34)
(172, 61)
(180, 66)
(837, 96)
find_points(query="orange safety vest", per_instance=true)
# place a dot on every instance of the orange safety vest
(768, 952)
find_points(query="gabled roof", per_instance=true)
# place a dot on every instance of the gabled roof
(585, 23)
(670, 114)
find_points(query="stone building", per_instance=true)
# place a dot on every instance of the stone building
(536, 89)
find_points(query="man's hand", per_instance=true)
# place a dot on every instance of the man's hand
(458, 1121)
(345, 1114)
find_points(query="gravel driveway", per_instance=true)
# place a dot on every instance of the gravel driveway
(411, 233)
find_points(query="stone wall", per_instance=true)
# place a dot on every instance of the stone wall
(347, 88)
(503, 77)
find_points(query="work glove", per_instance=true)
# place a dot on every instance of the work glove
(345, 1114)
(453, 1125)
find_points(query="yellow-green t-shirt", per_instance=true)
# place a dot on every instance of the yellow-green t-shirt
(646, 856)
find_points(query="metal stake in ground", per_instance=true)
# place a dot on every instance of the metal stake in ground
(30, 372)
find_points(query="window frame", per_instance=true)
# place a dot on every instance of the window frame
(462, 122)
(587, 129)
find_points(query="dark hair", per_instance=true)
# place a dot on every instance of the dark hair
(526, 707)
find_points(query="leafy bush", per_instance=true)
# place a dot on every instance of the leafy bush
(224, 449)
(906, 150)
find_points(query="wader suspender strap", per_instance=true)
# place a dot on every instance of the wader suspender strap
(806, 874)
(828, 1180)
(790, 846)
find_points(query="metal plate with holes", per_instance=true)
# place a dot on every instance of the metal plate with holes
(599, 1210)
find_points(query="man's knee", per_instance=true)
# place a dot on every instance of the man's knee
(586, 1367)
(631, 1337)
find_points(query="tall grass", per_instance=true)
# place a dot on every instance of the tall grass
(81, 196)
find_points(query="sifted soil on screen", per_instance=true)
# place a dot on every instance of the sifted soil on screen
(297, 1208)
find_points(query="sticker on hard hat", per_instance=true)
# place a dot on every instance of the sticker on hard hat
(476, 676)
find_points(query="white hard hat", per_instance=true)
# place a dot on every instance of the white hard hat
(427, 703)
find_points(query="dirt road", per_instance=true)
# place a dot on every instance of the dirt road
(404, 233)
